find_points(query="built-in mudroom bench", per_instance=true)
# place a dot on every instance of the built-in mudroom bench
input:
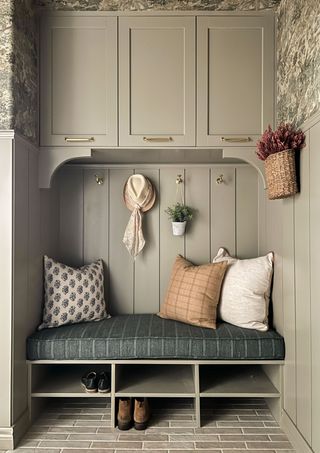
(156, 358)
(145, 355)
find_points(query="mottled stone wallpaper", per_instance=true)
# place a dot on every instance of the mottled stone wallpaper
(6, 50)
(145, 5)
(298, 60)
(18, 68)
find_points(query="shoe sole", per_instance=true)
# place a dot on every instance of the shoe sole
(140, 426)
(124, 426)
(104, 391)
(89, 390)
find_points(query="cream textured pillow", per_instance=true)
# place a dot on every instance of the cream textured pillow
(245, 293)
(72, 295)
(193, 293)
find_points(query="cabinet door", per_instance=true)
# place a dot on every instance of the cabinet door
(157, 81)
(235, 79)
(78, 81)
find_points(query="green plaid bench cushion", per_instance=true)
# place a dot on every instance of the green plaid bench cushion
(150, 337)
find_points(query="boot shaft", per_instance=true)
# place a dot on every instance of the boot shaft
(125, 410)
(141, 410)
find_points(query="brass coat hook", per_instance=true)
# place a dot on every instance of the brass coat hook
(179, 179)
(99, 179)
(220, 179)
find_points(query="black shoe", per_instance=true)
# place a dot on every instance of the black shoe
(103, 383)
(90, 382)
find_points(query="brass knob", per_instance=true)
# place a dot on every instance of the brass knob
(220, 179)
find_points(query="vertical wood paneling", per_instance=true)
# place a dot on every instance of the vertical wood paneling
(274, 243)
(170, 246)
(246, 212)
(289, 309)
(315, 280)
(95, 221)
(35, 269)
(71, 215)
(50, 221)
(120, 262)
(262, 219)
(223, 210)
(21, 265)
(302, 287)
(95, 216)
(270, 239)
(146, 287)
(197, 195)
(6, 274)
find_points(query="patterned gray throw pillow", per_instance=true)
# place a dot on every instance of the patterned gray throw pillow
(72, 295)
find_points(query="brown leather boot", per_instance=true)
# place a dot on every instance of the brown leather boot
(141, 413)
(124, 414)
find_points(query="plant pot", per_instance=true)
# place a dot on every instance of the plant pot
(178, 228)
(280, 170)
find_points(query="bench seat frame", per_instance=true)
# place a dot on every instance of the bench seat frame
(171, 378)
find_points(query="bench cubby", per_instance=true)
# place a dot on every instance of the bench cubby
(155, 381)
(158, 379)
(54, 381)
(225, 381)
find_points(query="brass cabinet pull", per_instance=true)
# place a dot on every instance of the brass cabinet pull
(157, 139)
(79, 139)
(236, 139)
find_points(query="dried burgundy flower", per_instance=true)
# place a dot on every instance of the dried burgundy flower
(284, 137)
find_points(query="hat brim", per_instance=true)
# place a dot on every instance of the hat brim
(148, 206)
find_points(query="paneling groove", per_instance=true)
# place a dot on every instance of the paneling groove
(93, 219)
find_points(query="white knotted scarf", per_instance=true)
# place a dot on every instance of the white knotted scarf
(138, 194)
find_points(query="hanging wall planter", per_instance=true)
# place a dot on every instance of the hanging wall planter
(281, 177)
(278, 151)
(179, 215)
(178, 228)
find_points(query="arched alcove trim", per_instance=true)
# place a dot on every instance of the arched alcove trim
(51, 159)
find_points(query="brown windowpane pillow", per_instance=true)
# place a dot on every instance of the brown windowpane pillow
(193, 293)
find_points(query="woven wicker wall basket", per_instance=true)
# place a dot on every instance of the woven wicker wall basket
(280, 169)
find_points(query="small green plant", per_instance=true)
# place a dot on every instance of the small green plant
(179, 212)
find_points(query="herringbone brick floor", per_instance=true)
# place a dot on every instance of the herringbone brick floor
(83, 426)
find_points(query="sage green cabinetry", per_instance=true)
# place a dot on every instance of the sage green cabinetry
(78, 95)
(157, 81)
(235, 79)
(183, 81)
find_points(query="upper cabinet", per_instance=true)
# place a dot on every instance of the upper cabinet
(78, 94)
(235, 79)
(179, 85)
(157, 81)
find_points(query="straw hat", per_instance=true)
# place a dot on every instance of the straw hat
(139, 192)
